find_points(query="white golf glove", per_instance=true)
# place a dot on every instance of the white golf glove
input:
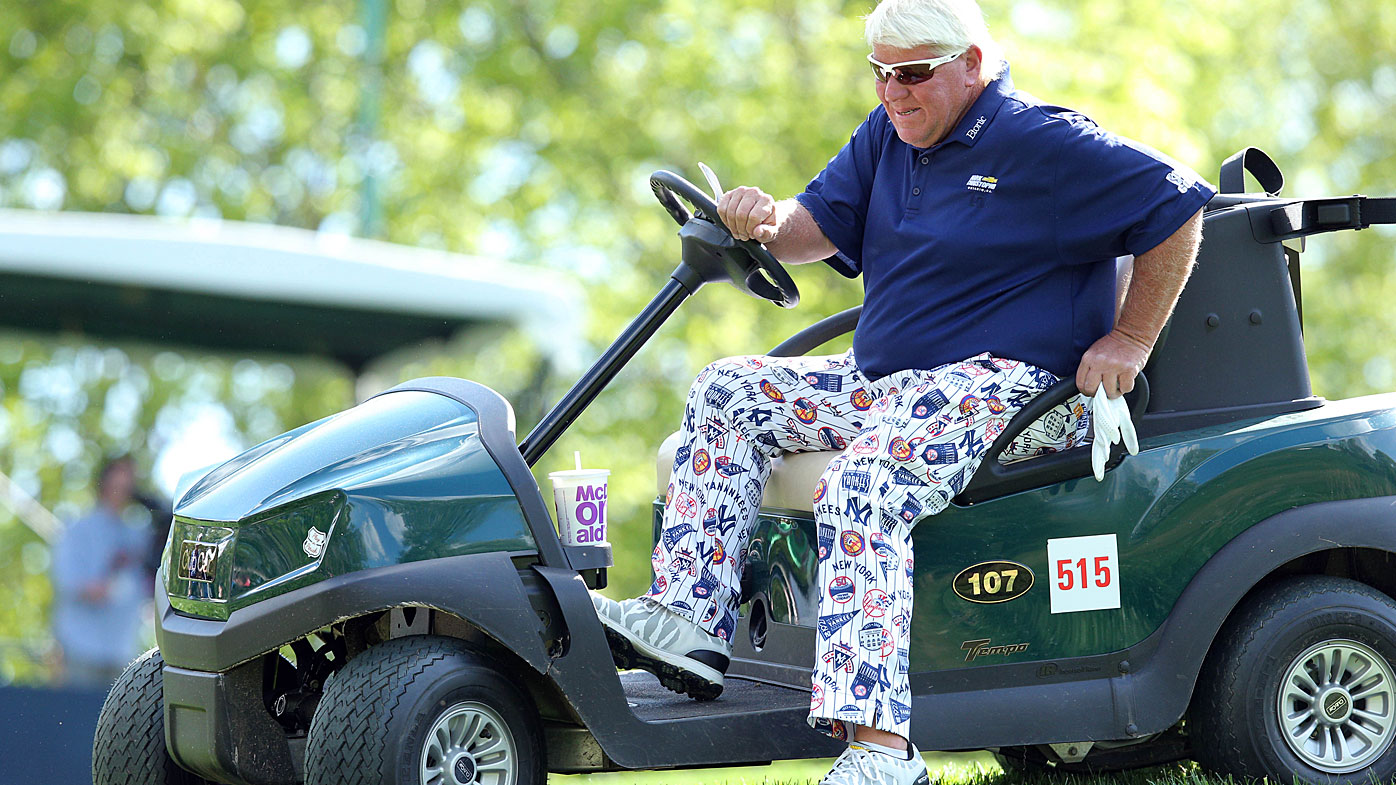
(1111, 423)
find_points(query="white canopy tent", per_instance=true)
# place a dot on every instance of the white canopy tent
(258, 289)
(250, 287)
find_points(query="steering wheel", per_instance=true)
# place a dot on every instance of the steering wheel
(716, 254)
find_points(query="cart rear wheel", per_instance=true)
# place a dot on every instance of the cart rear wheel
(424, 710)
(1302, 686)
(129, 745)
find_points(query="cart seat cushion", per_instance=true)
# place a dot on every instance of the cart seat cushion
(793, 475)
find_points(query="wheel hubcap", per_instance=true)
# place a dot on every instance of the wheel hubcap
(1335, 706)
(468, 744)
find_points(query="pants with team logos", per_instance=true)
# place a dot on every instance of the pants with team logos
(909, 442)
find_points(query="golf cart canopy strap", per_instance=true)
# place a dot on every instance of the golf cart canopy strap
(1255, 161)
(1315, 216)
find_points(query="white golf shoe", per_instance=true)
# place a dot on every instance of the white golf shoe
(859, 765)
(646, 635)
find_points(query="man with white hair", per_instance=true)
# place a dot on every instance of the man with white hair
(985, 224)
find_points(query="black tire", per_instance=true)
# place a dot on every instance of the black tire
(1235, 722)
(372, 724)
(129, 745)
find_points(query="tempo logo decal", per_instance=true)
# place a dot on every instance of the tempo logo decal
(981, 648)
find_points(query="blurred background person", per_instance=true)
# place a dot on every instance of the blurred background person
(101, 582)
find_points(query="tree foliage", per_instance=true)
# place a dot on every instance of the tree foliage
(527, 129)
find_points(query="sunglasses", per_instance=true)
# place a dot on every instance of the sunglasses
(912, 71)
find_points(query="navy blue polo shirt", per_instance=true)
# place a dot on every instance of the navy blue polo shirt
(1001, 238)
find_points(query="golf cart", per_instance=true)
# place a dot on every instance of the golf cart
(380, 596)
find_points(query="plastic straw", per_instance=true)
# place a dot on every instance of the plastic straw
(578, 456)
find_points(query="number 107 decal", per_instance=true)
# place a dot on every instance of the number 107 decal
(993, 582)
(1085, 573)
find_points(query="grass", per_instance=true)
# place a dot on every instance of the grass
(977, 768)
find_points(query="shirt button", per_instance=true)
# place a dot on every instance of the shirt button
(925, 159)
(916, 192)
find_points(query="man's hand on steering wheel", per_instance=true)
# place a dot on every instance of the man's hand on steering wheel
(713, 251)
(750, 213)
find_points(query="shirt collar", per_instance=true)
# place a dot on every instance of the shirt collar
(981, 112)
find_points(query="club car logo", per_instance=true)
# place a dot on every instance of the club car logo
(196, 562)
(314, 544)
(983, 183)
(1335, 707)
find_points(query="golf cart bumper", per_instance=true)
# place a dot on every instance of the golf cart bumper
(217, 727)
(216, 719)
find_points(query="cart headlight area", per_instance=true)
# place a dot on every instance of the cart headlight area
(213, 568)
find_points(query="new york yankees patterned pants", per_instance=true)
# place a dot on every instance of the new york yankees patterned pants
(908, 443)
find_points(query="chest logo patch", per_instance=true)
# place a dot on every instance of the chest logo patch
(983, 183)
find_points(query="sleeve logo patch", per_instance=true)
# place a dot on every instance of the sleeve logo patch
(1180, 180)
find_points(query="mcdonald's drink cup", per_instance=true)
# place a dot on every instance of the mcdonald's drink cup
(580, 495)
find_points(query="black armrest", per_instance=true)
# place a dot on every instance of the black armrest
(994, 479)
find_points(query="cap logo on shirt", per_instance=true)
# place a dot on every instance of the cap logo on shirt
(973, 132)
(1180, 179)
(983, 183)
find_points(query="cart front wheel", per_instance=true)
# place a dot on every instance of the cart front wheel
(129, 746)
(424, 710)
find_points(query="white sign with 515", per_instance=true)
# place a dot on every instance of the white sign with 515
(1084, 573)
